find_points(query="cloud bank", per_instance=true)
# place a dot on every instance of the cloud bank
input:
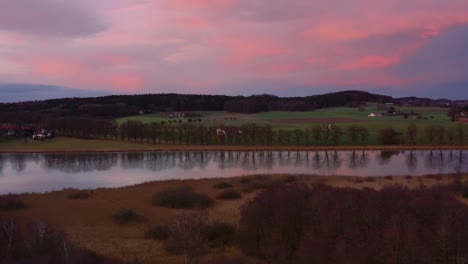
(237, 46)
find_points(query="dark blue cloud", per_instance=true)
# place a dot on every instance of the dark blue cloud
(15, 92)
(443, 59)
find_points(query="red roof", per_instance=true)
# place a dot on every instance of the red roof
(463, 119)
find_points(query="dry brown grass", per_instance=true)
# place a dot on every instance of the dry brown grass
(89, 223)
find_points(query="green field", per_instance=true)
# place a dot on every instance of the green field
(69, 144)
(435, 115)
(341, 116)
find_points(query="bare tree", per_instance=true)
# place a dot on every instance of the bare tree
(7, 226)
(186, 234)
(412, 134)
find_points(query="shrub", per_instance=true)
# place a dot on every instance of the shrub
(260, 178)
(295, 224)
(219, 234)
(229, 195)
(222, 185)
(181, 197)
(245, 180)
(78, 195)
(125, 216)
(39, 243)
(8, 203)
(160, 232)
(289, 179)
(229, 260)
(388, 136)
(187, 234)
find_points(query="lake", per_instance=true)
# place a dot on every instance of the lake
(47, 172)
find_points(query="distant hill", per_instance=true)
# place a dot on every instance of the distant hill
(417, 101)
(125, 105)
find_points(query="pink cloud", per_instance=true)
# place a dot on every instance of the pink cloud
(247, 49)
(154, 44)
(371, 62)
(73, 73)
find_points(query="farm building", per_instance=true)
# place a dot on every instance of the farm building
(176, 114)
(374, 115)
(463, 119)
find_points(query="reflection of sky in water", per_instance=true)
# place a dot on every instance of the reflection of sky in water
(46, 172)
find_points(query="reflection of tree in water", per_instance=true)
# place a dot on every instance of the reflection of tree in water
(459, 161)
(331, 160)
(18, 162)
(299, 159)
(357, 160)
(2, 164)
(411, 161)
(385, 156)
(157, 161)
(316, 161)
(76, 163)
(429, 160)
(363, 160)
(132, 160)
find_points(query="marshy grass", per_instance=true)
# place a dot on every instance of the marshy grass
(10, 203)
(159, 232)
(222, 185)
(79, 195)
(126, 216)
(230, 194)
(181, 197)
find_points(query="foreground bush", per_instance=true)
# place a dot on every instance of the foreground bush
(78, 195)
(125, 216)
(222, 185)
(219, 234)
(229, 260)
(8, 203)
(160, 232)
(229, 195)
(39, 243)
(181, 197)
(295, 224)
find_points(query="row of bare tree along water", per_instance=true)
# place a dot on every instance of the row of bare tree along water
(43, 172)
(201, 132)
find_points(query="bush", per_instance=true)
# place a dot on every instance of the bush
(388, 136)
(219, 234)
(229, 260)
(222, 185)
(345, 225)
(289, 179)
(39, 243)
(229, 195)
(11, 203)
(160, 232)
(245, 180)
(260, 177)
(181, 197)
(78, 195)
(125, 216)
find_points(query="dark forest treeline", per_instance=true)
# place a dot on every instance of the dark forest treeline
(126, 105)
(195, 132)
(295, 224)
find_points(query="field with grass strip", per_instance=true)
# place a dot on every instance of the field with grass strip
(431, 115)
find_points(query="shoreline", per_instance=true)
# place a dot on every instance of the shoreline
(198, 148)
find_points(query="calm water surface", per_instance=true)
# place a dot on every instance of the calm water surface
(47, 172)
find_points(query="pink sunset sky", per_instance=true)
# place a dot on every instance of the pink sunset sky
(284, 47)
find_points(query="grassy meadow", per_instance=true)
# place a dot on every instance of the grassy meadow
(341, 116)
